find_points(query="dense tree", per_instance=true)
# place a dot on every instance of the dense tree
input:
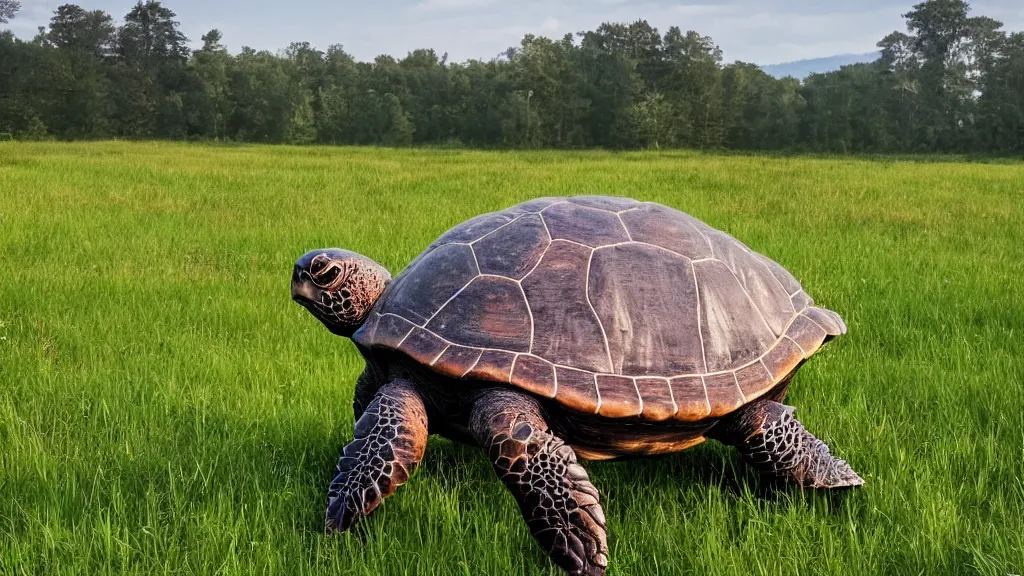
(8, 8)
(73, 28)
(208, 101)
(84, 41)
(951, 82)
(1001, 105)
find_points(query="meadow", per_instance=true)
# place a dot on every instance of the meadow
(166, 409)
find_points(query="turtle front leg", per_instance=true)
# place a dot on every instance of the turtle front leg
(390, 439)
(770, 438)
(555, 496)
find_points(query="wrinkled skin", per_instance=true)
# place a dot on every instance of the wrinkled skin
(338, 287)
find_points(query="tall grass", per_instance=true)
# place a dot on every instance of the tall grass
(165, 409)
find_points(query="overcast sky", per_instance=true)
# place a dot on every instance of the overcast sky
(759, 31)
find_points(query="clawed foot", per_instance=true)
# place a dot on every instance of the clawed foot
(390, 439)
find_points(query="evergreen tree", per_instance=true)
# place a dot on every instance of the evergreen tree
(951, 82)
(8, 8)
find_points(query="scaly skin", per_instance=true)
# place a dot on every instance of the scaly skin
(390, 439)
(771, 439)
(555, 495)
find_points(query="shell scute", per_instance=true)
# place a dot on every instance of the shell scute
(783, 358)
(724, 394)
(535, 374)
(808, 335)
(391, 331)
(691, 398)
(490, 312)
(576, 389)
(827, 319)
(659, 226)
(619, 396)
(457, 360)
(588, 226)
(801, 300)
(657, 397)
(513, 250)
(732, 328)
(418, 294)
(609, 203)
(493, 365)
(565, 329)
(423, 345)
(754, 380)
(475, 228)
(642, 296)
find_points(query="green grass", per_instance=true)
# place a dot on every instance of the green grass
(165, 408)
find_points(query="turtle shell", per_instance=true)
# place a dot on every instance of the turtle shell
(607, 305)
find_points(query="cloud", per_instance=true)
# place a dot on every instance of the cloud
(442, 5)
(32, 15)
(705, 9)
(550, 25)
(761, 31)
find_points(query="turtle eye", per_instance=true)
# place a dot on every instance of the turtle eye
(318, 264)
(327, 275)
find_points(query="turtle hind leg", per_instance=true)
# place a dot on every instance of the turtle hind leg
(555, 496)
(390, 439)
(770, 438)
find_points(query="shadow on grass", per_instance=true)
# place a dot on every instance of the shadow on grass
(710, 464)
(291, 463)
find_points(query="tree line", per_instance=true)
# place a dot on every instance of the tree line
(951, 83)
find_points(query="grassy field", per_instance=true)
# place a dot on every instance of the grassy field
(166, 409)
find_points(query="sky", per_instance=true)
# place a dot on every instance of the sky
(758, 31)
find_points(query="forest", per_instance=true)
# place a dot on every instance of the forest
(953, 82)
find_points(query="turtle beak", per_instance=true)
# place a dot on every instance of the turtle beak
(302, 287)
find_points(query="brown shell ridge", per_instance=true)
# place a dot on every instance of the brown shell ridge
(453, 297)
(445, 340)
(441, 353)
(797, 344)
(529, 310)
(476, 261)
(477, 363)
(696, 288)
(648, 244)
(624, 227)
(600, 324)
(761, 260)
(736, 381)
(707, 398)
(771, 274)
(753, 303)
(540, 259)
(776, 362)
(672, 396)
(697, 224)
(502, 227)
(553, 204)
(615, 212)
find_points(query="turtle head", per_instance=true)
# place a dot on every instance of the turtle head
(338, 287)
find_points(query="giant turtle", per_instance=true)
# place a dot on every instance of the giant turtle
(588, 327)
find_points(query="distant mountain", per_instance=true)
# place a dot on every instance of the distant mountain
(803, 68)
